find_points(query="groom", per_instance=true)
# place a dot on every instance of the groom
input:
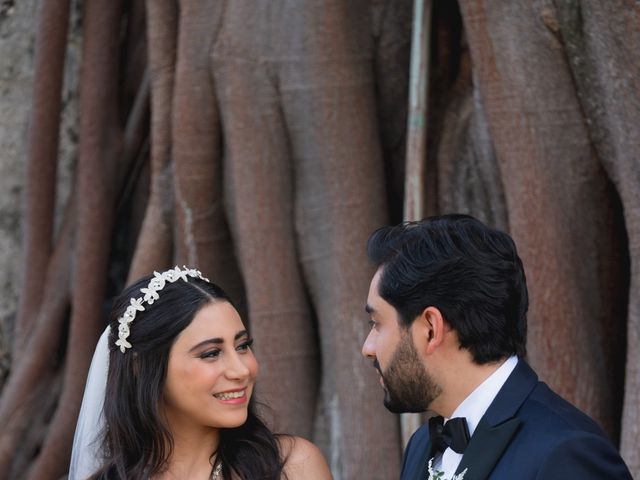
(447, 310)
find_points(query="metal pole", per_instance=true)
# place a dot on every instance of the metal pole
(417, 144)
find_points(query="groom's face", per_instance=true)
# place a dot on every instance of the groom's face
(407, 385)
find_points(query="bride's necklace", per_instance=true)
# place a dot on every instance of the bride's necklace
(216, 474)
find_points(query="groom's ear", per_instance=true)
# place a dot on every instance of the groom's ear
(429, 330)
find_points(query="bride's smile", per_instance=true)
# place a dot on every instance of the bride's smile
(232, 396)
(177, 403)
(211, 370)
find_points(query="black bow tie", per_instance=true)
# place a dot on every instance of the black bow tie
(453, 434)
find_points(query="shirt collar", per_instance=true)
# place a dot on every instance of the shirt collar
(477, 402)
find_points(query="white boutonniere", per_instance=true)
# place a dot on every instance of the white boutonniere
(439, 475)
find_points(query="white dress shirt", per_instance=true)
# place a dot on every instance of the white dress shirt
(473, 408)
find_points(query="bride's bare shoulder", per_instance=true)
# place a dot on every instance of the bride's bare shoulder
(303, 460)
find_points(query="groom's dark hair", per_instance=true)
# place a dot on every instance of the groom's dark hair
(470, 272)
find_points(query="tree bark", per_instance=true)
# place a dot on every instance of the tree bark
(602, 41)
(469, 178)
(282, 123)
(154, 247)
(42, 162)
(328, 99)
(19, 396)
(392, 20)
(202, 234)
(259, 191)
(557, 224)
(100, 146)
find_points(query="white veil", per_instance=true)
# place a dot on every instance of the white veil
(86, 456)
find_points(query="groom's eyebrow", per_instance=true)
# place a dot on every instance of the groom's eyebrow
(369, 309)
(218, 340)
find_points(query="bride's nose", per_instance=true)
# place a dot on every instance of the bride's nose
(236, 368)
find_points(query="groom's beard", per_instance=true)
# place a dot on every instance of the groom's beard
(407, 385)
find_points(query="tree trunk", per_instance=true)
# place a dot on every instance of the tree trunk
(557, 197)
(42, 160)
(602, 41)
(284, 126)
(329, 106)
(468, 173)
(100, 145)
(154, 248)
(202, 233)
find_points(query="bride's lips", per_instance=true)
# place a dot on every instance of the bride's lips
(237, 396)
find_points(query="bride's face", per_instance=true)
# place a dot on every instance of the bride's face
(211, 370)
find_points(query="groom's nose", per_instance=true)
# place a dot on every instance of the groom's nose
(368, 347)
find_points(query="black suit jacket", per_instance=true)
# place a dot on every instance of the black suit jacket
(528, 432)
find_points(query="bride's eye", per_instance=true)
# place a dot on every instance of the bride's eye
(245, 345)
(215, 353)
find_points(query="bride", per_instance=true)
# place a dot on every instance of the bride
(178, 393)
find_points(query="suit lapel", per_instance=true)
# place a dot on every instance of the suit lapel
(498, 425)
(486, 447)
(420, 472)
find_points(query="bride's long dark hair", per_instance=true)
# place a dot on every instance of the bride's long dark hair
(136, 442)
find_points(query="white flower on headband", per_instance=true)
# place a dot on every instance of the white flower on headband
(122, 342)
(136, 305)
(158, 280)
(180, 274)
(150, 295)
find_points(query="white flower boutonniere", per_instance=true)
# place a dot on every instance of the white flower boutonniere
(439, 475)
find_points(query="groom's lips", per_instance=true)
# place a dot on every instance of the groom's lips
(376, 365)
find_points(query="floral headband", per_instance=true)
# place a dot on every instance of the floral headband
(156, 284)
